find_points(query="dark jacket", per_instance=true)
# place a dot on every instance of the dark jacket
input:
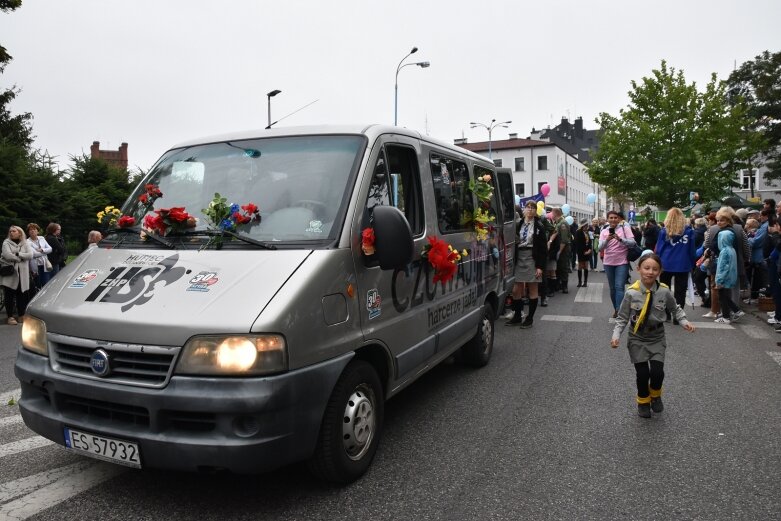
(59, 255)
(651, 235)
(582, 244)
(539, 243)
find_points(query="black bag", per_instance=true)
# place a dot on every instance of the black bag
(633, 253)
(6, 270)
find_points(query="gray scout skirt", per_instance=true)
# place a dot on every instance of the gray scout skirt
(524, 267)
(649, 346)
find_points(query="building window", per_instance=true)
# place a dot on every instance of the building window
(748, 178)
(520, 189)
(519, 164)
(539, 186)
(498, 163)
(542, 162)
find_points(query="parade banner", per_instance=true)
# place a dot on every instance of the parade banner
(536, 198)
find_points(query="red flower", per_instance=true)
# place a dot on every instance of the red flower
(155, 223)
(153, 190)
(367, 241)
(250, 208)
(241, 219)
(442, 259)
(177, 214)
(126, 221)
(144, 198)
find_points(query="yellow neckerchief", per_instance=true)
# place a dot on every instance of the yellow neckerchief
(636, 285)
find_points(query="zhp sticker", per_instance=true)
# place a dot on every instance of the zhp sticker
(83, 279)
(315, 227)
(373, 303)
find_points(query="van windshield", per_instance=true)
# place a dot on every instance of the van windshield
(299, 184)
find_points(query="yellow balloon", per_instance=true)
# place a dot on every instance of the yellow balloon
(540, 204)
(540, 210)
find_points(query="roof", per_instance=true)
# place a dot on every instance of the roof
(506, 144)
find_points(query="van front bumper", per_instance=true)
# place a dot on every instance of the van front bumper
(244, 425)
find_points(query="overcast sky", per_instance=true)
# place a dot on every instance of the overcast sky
(153, 73)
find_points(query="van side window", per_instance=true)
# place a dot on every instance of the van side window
(506, 194)
(480, 171)
(396, 183)
(451, 191)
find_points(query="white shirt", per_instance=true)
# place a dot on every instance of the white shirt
(40, 249)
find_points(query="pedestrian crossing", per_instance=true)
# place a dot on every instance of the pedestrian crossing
(28, 496)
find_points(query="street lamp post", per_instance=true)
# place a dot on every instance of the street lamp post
(490, 128)
(271, 95)
(422, 65)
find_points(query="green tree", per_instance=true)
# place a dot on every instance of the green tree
(757, 83)
(89, 186)
(671, 139)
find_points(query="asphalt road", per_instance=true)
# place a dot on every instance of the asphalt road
(548, 430)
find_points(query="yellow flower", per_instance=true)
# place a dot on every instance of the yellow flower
(101, 215)
(464, 253)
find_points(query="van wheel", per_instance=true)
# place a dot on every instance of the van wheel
(351, 426)
(477, 352)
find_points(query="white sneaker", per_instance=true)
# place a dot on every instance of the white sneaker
(722, 320)
(772, 320)
(737, 314)
(747, 301)
(771, 313)
(711, 314)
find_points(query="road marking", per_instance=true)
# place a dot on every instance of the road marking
(22, 486)
(55, 493)
(756, 332)
(591, 293)
(11, 420)
(7, 395)
(566, 318)
(775, 355)
(24, 445)
(712, 325)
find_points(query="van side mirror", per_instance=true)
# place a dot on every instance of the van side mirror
(393, 243)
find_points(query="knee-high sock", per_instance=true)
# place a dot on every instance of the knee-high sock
(532, 308)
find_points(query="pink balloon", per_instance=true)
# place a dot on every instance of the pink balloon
(545, 190)
(549, 215)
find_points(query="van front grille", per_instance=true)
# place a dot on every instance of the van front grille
(130, 364)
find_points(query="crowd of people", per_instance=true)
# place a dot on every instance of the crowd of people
(727, 257)
(28, 261)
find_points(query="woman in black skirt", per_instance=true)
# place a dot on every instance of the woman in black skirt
(530, 261)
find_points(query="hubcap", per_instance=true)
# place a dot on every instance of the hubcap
(359, 423)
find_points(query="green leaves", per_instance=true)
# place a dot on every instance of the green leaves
(671, 139)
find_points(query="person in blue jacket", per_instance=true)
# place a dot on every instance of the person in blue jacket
(675, 246)
(727, 277)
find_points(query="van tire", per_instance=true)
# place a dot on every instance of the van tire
(477, 352)
(341, 456)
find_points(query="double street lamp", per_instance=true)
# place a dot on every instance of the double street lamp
(271, 95)
(490, 128)
(422, 65)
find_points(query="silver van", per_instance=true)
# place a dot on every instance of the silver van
(263, 294)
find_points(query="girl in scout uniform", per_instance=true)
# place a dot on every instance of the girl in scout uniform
(644, 308)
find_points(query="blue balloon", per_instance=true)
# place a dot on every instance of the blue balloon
(565, 209)
(591, 198)
(569, 219)
(517, 200)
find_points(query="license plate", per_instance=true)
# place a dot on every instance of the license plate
(100, 447)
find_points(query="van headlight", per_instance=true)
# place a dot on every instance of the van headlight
(241, 355)
(34, 335)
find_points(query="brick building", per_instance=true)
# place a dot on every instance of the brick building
(117, 158)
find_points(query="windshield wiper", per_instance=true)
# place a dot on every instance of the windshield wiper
(152, 236)
(244, 238)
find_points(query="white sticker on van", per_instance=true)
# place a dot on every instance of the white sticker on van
(373, 303)
(202, 281)
(315, 226)
(83, 279)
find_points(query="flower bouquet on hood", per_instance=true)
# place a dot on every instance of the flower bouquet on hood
(443, 258)
(230, 217)
(169, 220)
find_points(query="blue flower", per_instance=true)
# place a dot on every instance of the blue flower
(227, 224)
(235, 208)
